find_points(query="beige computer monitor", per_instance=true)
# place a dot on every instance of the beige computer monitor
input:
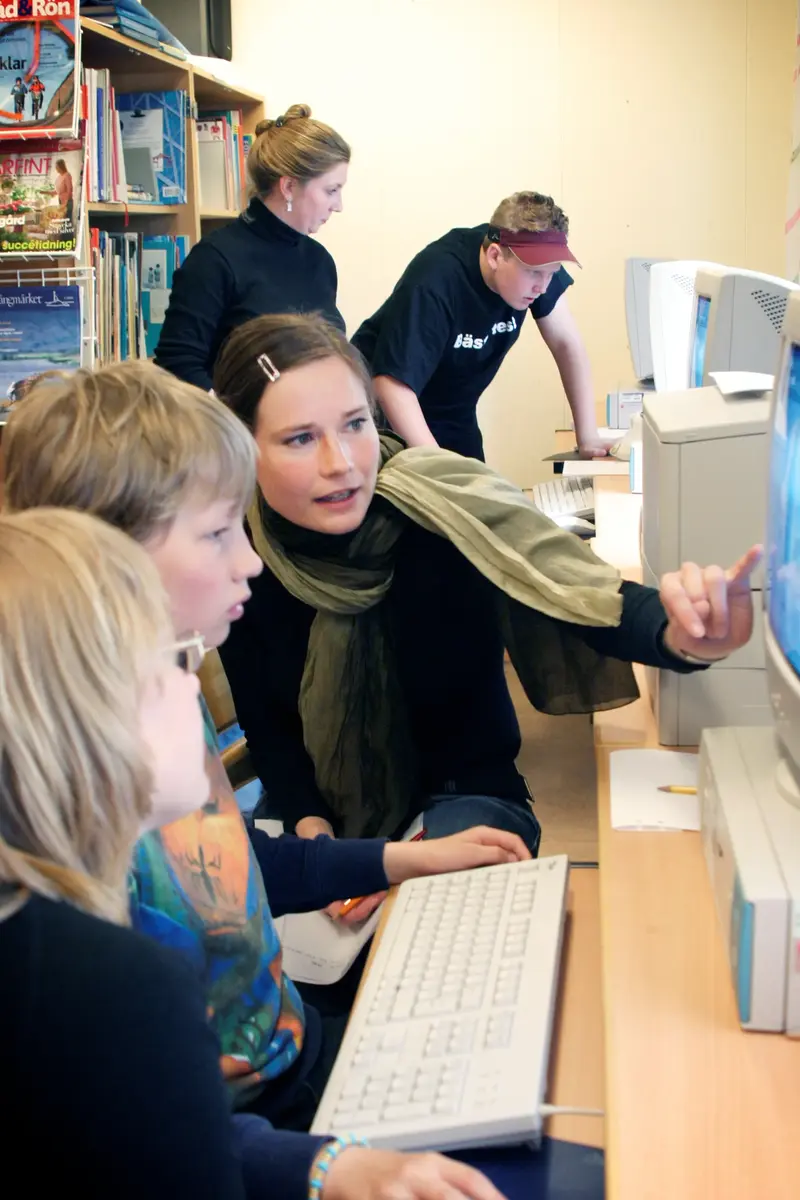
(737, 322)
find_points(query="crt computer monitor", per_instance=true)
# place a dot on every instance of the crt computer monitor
(782, 594)
(737, 320)
(671, 321)
(637, 315)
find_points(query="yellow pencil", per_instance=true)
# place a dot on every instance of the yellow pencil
(678, 789)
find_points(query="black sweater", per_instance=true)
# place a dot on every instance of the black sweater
(258, 264)
(449, 656)
(110, 1073)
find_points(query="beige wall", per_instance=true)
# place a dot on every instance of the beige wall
(661, 126)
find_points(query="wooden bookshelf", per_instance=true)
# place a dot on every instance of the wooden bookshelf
(95, 207)
(136, 67)
(219, 214)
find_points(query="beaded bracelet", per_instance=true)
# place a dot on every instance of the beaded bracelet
(328, 1155)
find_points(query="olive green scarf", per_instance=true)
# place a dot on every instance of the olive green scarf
(354, 723)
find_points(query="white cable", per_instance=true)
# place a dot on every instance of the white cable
(565, 1110)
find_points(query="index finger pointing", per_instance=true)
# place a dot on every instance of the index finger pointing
(741, 571)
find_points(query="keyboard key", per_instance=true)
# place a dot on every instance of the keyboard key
(403, 1004)
(405, 1112)
(383, 1066)
(393, 1039)
(498, 1033)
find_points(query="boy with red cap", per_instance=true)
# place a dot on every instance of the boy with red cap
(437, 343)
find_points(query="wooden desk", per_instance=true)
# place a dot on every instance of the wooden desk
(576, 1063)
(696, 1109)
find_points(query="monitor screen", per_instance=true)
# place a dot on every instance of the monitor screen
(700, 339)
(784, 531)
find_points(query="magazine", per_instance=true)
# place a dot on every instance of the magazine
(39, 68)
(40, 330)
(41, 190)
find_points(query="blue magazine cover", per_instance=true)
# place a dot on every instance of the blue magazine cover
(40, 330)
(39, 68)
(153, 128)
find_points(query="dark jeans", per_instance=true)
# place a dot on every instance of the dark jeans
(448, 814)
(453, 814)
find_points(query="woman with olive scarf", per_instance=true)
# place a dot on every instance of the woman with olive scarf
(367, 671)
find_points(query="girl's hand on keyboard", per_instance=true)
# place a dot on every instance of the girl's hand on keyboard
(389, 1175)
(478, 847)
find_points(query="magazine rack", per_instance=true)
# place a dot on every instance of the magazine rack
(59, 274)
(133, 67)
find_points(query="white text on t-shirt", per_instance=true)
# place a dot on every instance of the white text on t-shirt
(466, 341)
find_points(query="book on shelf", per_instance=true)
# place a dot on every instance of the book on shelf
(153, 126)
(161, 257)
(41, 197)
(140, 28)
(133, 277)
(41, 329)
(222, 157)
(39, 68)
(134, 15)
(106, 179)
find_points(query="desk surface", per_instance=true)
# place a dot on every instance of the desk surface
(696, 1108)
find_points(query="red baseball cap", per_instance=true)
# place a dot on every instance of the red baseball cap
(533, 248)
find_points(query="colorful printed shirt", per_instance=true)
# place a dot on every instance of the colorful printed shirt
(196, 885)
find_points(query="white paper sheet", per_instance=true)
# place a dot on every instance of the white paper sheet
(739, 383)
(618, 517)
(636, 802)
(319, 950)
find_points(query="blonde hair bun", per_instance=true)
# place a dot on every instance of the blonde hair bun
(294, 145)
(296, 112)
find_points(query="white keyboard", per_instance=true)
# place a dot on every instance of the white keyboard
(565, 495)
(449, 1041)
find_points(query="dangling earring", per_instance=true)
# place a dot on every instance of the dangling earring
(288, 206)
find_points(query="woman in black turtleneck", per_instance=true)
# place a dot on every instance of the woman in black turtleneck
(265, 261)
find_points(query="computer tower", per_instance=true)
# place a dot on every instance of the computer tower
(704, 467)
(204, 26)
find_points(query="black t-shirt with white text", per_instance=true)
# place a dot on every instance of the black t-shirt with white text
(444, 333)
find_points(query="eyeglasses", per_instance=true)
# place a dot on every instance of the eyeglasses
(189, 654)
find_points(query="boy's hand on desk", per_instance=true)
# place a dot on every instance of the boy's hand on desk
(389, 1175)
(709, 610)
(478, 847)
(594, 448)
(365, 908)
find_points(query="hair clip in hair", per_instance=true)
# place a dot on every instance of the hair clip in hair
(279, 122)
(268, 367)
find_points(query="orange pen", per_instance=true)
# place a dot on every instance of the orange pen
(349, 905)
